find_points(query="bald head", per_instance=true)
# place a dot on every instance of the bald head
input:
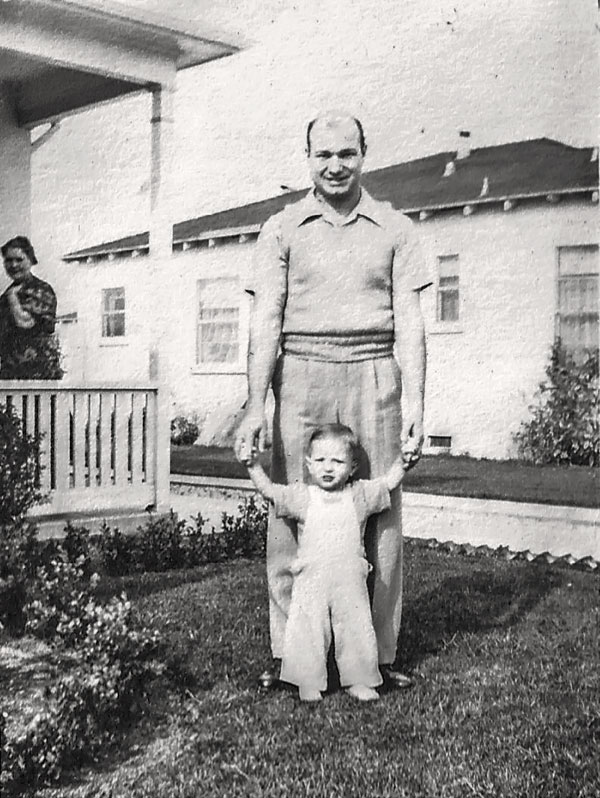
(336, 119)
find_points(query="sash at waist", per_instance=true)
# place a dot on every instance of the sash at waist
(339, 348)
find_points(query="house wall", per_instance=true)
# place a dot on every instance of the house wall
(483, 370)
(15, 184)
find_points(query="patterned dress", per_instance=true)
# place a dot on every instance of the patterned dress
(34, 353)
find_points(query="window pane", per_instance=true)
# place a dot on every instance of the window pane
(218, 331)
(448, 305)
(578, 260)
(448, 265)
(578, 312)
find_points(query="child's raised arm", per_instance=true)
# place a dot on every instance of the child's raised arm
(261, 481)
(394, 475)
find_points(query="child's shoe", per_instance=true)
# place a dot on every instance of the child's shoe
(308, 693)
(362, 692)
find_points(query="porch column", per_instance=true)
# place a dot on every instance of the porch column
(161, 307)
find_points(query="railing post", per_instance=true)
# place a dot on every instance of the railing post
(163, 435)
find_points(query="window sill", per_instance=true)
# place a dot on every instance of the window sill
(445, 328)
(219, 368)
(116, 341)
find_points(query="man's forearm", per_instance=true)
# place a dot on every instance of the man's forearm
(410, 343)
(265, 332)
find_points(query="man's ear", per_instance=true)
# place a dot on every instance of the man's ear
(307, 459)
(354, 467)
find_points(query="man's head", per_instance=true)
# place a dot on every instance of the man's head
(335, 148)
(332, 455)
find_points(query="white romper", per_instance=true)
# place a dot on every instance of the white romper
(329, 593)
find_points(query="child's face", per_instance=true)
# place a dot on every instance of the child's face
(330, 463)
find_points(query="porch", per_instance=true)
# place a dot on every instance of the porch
(104, 451)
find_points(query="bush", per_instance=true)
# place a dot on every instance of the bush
(59, 600)
(115, 662)
(160, 544)
(564, 426)
(19, 559)
(118, 552)
(245, 534)
(184, 431)
(19, 468)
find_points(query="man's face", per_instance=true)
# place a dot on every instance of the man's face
(335, 159)
(330, 463)
(17, 265)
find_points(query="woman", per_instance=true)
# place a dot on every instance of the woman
(28, 348)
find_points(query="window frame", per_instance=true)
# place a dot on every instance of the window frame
(108, 340)
(562, 278)
(239, 366)
(447, 326)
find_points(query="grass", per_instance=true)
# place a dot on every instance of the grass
(576, 486)
(506, 702)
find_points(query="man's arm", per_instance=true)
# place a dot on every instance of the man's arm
(266, 320)
(410, 343)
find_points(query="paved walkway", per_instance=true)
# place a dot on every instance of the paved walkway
(537, 528)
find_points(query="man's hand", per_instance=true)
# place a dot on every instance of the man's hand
(412, 439)
(251, 436)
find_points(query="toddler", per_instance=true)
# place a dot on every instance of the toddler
(329, 593)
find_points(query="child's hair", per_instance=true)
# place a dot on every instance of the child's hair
(338, 431)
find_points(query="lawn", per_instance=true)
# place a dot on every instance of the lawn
(506, 701)
(511, 480)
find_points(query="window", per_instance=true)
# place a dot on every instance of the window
(440, 441)
(577, 317)
(218, 334)
(448, 290)
(113, 312)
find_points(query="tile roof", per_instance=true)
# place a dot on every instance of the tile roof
(520, 169)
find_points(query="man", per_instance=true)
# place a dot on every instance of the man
(336, 285)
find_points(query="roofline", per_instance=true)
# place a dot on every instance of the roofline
(250, 229)
(500, 198)
(152, 21)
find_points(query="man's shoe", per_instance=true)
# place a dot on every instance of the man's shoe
(394, 678)
(269, 678)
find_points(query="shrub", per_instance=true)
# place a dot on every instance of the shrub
(115, 662)
(118, 552)
(19, 559)
(564, 426)
(19, 467)
(184, 431)
(59, 600)
(77, 547)
(245, 534)
(160, 543)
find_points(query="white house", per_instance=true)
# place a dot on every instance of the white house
(104, 446)
(511, 231)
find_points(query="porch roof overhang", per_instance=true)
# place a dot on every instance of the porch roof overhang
(58, 57)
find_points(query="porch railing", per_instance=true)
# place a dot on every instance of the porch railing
(103, 447)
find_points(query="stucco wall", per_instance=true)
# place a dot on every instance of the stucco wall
(15, 185)
(483, 374)
(483, 370)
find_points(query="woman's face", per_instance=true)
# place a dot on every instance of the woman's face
(17, 264)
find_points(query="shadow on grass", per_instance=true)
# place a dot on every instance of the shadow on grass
(480, 601)
(148, 582)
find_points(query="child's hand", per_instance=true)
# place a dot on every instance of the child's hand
(247, 455)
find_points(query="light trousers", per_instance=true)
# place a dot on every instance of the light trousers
(366, 396)
(330, 599)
